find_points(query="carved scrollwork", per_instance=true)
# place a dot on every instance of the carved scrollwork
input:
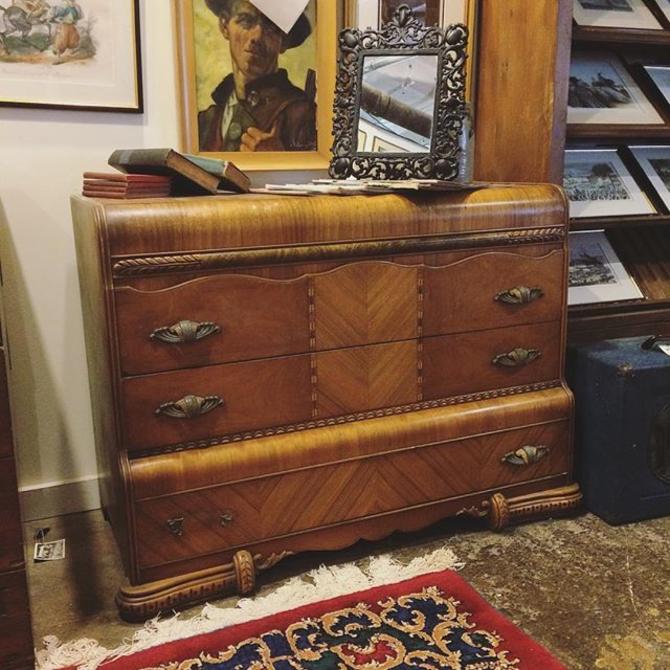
(528, 455)
(403, 35)
(516, 358)
(190, 406)
(519, 295)
(185, 331)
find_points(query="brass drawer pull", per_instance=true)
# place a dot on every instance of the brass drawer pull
(519, 295)
(185, 331)
(176, 526)
(516, 358)
(190, 406)
(226, 518)
(528, 455)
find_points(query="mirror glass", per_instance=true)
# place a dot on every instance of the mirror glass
(397, 103)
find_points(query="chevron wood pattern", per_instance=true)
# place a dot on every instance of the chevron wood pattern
(365, 303)
(278, 505)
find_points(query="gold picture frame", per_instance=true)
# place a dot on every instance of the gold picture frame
(198, 32)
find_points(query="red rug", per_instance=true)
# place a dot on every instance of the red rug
(433, 622)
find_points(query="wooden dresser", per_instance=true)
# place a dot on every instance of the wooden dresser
(276, 374)
(16, 641)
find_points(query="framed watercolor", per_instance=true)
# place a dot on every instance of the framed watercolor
(615, 14)
(71, 54)
(655, 161)
(595, 272)
(660, 76)
(275, 111)
(597, 183)
(602, 91)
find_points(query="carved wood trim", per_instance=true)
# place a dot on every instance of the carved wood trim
(217, 260)
(349, 418)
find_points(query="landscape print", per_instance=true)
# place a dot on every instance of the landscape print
(599, 86)
(589, 266)
(38, 32)
(610, 5)
(662, 167)
(593, 181)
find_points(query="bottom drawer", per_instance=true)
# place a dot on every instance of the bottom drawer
(218, 518)
(16, 642)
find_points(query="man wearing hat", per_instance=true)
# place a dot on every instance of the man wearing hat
(256, 107)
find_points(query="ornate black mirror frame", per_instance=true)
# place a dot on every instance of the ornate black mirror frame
(404, 35)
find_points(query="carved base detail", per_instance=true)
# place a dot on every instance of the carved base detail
(501, 511)
(138, 603)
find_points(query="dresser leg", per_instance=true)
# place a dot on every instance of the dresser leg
(502, 511)
(245, 572)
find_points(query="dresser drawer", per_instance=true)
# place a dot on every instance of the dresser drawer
(492, 359)
(491, 290)
(211, 320)
(218, 518)
(189, 405)
(11, 545)
(16, 645)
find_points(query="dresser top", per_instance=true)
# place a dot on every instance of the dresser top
(171, 225)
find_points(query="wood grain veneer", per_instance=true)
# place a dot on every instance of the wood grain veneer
(364, 372)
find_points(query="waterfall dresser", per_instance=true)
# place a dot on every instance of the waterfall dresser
(272, 375)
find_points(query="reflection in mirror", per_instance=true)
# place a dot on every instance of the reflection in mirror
(398, 97)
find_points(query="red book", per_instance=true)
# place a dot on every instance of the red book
(129, 178)
(121, 196)
(125, 188)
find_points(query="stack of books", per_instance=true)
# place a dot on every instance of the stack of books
(118, 185)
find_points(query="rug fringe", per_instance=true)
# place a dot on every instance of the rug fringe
(321, 583)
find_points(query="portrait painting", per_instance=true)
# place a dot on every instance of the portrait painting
(596, 274)
(79, 54)
(615, 14)
(602, 91)
(655, 161)
(251, 91)
(598, 183)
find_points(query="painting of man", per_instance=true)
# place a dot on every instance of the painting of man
(258, 105)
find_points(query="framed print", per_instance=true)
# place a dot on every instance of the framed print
(71, 54)
(252, 93)
(597, 183)
(655, 161)
(614, 14)
(595, 273)
(661, 78)
(602, 91)
(664, 6)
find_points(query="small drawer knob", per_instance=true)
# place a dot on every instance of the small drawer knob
(226, 518)
(519, 295)
(176, 526)
(185, 331)
(516, 358)
(190, 406)
(528, 455)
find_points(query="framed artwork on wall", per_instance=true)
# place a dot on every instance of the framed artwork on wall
(372, 13)
(655, 161)
(595, 273)
(597, 183)
(664, 6)
(660, 76)
(71, 54)
(252, 93)
(602, 91)
(615, 14)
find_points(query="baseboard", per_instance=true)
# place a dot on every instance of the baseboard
(57, 498)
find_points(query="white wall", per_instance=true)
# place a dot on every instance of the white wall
(42, 156)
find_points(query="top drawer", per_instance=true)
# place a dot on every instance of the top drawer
(227, 318)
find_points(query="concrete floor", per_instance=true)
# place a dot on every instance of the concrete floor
(598, 597)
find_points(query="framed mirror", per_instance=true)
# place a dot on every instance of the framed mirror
(407, 81)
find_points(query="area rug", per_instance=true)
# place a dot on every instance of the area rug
(434, 621)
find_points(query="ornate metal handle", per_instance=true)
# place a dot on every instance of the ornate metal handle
(516, 358)
(519, 295)
(190, 406)
(185, 331)
(226, 518)
(176, 526)
(528, 455)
